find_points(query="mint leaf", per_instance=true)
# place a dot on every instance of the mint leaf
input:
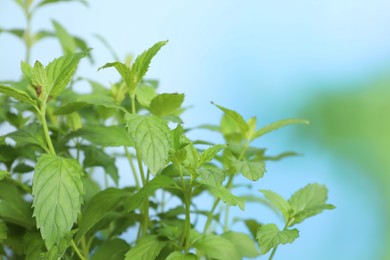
(142, 62)
(269, 236)
(124, 71)
(179, 256)
(39, 80)
(136, 200)
(251, 170)
(210, 153)
(46, 2)
(166, 104)
(114, 249)
(4, 174)
(212, 176)
(58, 191)
(309, 201)
(33, 245)
(13, 208)
(226, 196)
(147, 248)
(106, 136)
(78, 105)
(60, 71)
(238, 119)
(17, 94)
(145, 94)
(276, 125)
(3, 231)
(98, 207)
(96, 157)
(68, 43)
(151, 134)
(217, 247)
(30, 134)
(244, 245)
(279, 202)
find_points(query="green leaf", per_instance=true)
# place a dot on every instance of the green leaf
(276, 125)
(4, 174)
(145, 94)
(39, 79)
(279, 202)
(114, 249)
(253, 226)
(166, 104)
(98, 207)
(27, 70)
(236, 117)
(243, 243)
(78, 105)
(142, 62)
(96, 157)
(60, 71)
(58, 193)
(251, 170)
(179, 256)
(124, 71)
(3, 231)
(212, 176)
(147, 248)
(151, 135)
(136, 200)
(106, 136)
(68, 43)
(309, 201)
(30, 134)
(15, 32)
(226, 196)
(217, 247)
(269, 236)
(46, 2)
(33, 244)
(210, 153)
(17, 94)
(13, 207)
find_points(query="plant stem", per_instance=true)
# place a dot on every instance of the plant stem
(284, 228)
(187, 223)
(42, 116)
(272, 253)
(130, 159)
(77, 250)
(132, 97)
(216, 201)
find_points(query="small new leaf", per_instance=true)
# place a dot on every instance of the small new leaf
(58, 191)
(60, 71)
(309, 201)
(166, 104)
(269, 236)
(151, 135)
(217, 247)
(147, 248)
(142, 62)
(276, 125)
(251, 170)
(279, 202)
(226, 196)
(210, 153)
(17, 94)
(236, 117)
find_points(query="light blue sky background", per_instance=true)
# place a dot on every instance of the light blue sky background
(262, 58)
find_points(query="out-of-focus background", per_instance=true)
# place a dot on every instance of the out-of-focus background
(327, 61)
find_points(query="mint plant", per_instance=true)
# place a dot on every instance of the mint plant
(53, 207)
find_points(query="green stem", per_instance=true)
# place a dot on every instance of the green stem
(49, 143)
(133, 104)
(77, 250)
(187, 223)
(130, 159)
(285, 228)
(20, 184)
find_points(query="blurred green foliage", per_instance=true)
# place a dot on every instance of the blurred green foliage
(353, 123)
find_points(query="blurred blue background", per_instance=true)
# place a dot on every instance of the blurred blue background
(323, 60)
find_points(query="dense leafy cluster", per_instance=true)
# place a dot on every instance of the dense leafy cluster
(51, 206)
